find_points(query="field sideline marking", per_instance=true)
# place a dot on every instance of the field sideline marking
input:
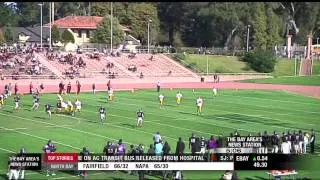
(110, 124)
(230, 103)
(313, 112)
(219, 117)
(163, 124)
(14, 129)
(179, 118)
(76, 130)
(262, 117)
(280, 127)
(7, 150)
(38, 137)
(64, 177)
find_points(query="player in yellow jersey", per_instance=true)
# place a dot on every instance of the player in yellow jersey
(70, 107)
(161, 98)
(179, 96)
(1, 100)
(199, 105)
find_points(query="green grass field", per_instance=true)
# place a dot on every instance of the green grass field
(231, 64)
(299, 80)
(244, 110)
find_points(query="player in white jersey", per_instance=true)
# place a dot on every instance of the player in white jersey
(199, 105)
(286, 147)
(161, 98)
(110, 94)
(214, 91)
(179, 96)
(78, 105)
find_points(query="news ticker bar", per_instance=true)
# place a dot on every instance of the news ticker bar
(74, 161)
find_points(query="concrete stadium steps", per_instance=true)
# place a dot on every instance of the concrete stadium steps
(306, 67)
(95, 67)
(158, 67)
(54, 66)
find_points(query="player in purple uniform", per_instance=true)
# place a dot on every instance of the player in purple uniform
(121, 148)
(49, 148)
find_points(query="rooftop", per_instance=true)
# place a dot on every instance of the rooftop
(81, 22)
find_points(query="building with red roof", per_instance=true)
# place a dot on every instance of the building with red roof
(81, 27)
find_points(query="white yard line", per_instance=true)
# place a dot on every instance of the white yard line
(38, 137)
(14, 129)
(67, 177)
(7, 150)
(73, 129)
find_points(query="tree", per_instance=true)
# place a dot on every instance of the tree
(67, 37)
(261, 61)
(2, 38)
(29, 13)
(273, 27)
(8, 33)
(120, 10)
(259, 26)
(7, 15)
(55, 34)
(102, 34)
(140, 14)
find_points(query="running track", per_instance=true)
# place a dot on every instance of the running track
(313, 91)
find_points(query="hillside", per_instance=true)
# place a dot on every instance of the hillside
(232, 64)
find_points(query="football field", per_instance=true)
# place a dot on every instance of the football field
(247, 111)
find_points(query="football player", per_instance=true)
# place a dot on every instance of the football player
(36, 102)
(161, 98)
(48, 109)
(140, 117)
(78, 105)
(199, 105)
(17, 102)
(102, 112)
(179, 96)
(110, 94)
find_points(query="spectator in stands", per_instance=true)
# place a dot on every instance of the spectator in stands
(141, 75)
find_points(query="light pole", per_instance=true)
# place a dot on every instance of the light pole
(50, 25)
(317, 40)
(111, 33)
(248, 38)
(149, 21)
(41, 24)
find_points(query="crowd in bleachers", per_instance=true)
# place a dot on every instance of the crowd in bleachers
(20, 60)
